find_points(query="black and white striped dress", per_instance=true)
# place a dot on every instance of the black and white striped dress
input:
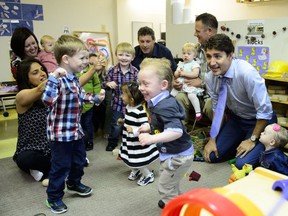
(131, 152)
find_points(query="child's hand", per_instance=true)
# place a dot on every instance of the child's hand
(176, 73)
(120, 121)
(181, 72)
(100, 62)
(129, 129)
(59, 72)
(145, 139)
(111, 85)
(144, 128)
(42, 85)
(101, 95)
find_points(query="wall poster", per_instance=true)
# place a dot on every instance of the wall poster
(97, 41)
(258, 56)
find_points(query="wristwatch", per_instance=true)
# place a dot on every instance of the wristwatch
(254, 138)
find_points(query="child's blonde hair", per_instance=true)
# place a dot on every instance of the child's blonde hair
(67, 45)
(125, 47)
(162, 68)
(280, 135)
(190, 47)
(46, 38)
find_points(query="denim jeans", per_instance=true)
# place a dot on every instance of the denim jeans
(67, 159)
(234, 131)
(87, 125)
(116, 130)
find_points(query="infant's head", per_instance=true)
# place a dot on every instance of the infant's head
(274, 136)
(189, 52)
(47, 42)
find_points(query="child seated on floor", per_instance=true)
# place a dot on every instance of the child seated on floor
(274, 138)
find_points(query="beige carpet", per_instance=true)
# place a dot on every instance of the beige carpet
(113, 194)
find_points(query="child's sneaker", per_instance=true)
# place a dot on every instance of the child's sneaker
(133, 176)
(145, 180)
(87, 162)
(57, 207)
(80, 189)
(36, 174)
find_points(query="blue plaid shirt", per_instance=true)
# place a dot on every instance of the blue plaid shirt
(115, 74)
(64, 97)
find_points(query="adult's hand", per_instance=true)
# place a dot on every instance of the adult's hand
(244, 148)
(210, 147)
(177, 85)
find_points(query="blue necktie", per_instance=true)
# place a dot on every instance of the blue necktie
(220, 108)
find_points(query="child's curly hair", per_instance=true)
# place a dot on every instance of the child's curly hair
(133, 90)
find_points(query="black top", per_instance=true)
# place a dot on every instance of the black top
(32, 129)
(159, 51)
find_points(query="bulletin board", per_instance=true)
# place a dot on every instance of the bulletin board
(97, 41)
(273, 43)
(257, 56)
(135, 27)
(14, 14)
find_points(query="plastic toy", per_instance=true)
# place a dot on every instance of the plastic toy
(218, 202)
(251, 195)
(238, 174)
(194, 176)
(282, 185)
(198, 156)
(232, 161)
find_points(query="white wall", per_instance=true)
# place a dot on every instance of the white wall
(129, 11)
(85, 15)
(113, 16)
(228, 12)
(116, 16)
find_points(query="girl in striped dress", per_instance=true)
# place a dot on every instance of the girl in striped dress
(135, 156)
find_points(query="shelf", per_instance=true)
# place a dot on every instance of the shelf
(279, 79)
(280, 105)
(283, 125)
(254, 1)
(281, 102)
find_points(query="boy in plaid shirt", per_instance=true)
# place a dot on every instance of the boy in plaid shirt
(64, 97)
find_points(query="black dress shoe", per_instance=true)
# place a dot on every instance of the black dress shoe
(110, 147)
(89, 146)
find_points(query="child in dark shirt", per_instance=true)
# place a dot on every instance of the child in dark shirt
(274, 138)
(175, 147)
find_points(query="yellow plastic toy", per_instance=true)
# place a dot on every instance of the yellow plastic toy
(238, 174)
(277, 69)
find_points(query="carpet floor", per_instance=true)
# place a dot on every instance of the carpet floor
(113, 194)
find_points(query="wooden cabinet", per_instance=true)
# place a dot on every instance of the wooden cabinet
(278, 91)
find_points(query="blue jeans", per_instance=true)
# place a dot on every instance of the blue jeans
(67, 159)
(116, 130)
(233, 132)
(87, 125)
